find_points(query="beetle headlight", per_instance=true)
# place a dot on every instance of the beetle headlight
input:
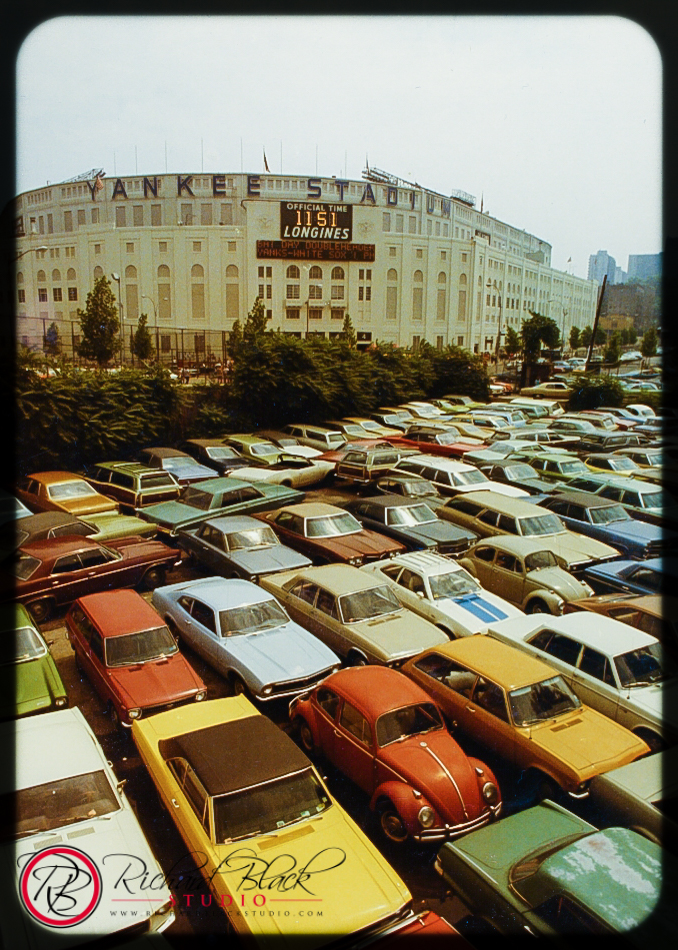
(490, 793)
(61, 701)
(200, 696)
(426, 816)
(134, 713)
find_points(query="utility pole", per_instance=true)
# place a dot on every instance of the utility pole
(595, 322)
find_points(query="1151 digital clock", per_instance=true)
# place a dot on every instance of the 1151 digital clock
(313, 221)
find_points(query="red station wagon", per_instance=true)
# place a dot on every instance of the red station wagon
(385, 733)
(56, 571)
(130, 656)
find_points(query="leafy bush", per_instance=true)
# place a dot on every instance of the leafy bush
(594, 391)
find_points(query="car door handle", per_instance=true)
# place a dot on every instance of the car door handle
(91, 573)
(336, 732)
(471, 709)
(175, 803)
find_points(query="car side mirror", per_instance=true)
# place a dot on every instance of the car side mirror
(121, 784)
(420, 594)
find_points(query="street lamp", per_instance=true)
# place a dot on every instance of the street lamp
(155, 324)
(493, 284)
(116, 278)
(42, 248)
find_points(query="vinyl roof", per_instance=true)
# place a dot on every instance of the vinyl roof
(235, 755)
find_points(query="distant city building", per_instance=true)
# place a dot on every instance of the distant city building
(619, 276)
(602, 265)
(194, 251)
(644, 266)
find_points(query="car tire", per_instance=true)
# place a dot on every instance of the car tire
(155, 577)
(306, 739)
(391, 824)
(172, 627)
(446, 631)
(78, 666)
(239, 686)
(655, 742)
(546, 788)
(537, 606)
(40, 609)
(356, 659)
(113, 716)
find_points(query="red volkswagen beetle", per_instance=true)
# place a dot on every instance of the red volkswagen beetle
(384, 732)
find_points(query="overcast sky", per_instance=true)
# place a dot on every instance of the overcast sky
(555, 122)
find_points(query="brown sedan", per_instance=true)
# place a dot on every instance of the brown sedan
(56, 571)
(328, 534)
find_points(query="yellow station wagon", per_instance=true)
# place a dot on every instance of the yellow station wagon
(280, 855)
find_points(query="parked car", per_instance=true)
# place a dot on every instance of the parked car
(64, 792)
(356, 615)
(254, 447)
(50, 573)
(372, 427)
(498, 451)
(524, 571)
(290, 470)
(328, 534)
(29, 679)
(545, 872)
(620, 671)
(12, 509)
(182, 466)
(442, 591)
(223, 799)
(447, 441)
(640, 795)
(607, 520)
(383, 732)
(352, 430)
(651, 613)
(317, 437)
(215, 454)
(411, 522)
(132, 484)
(617, 464)
(452, 477)
(549, 390)
(602, 442)
(129, 656)
(399, 419)
(238, 546)
(547, 437)
(490, 514)
(514, 704)
(62, 491)
(214, 497)
(58, 524)
(538, 407)
(245, 634)
(641, 499)
(364, 465)
(410, 486)
(655, 575)
(288, 443)
(516, 473)
(560, 468)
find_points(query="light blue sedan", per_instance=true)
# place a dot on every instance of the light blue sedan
(245, 634)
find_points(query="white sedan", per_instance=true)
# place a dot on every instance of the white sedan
(290, 470)
(75, 827)
(440, 590)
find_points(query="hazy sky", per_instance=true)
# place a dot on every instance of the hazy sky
(554, 121)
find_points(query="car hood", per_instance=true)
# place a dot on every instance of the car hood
(155, 682)
(558, 580)
(175, 513)
(435, 531)
(339, 860)
(136, 547)
(361, 544)
(576, 548)
(657, 701)
(112, 842)
(397, 635)
(435, 765)
(87, 505)
(28, 687)
(587, 741)
(285, 653)
(475, 611)
(119, 526)
(636, 530)
(267, 560)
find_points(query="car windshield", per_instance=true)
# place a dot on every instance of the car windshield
(252, 619)
(472, 430)
(335, 438)
(420, 487)
(520, 471)
(473, 477)
(332, 525)
(264, 448)
(609, 514)
(221, 452)
(656, 499)
(453, 584)
(197, 498)
(644, 666)
(539, 560)
(573, 468)
(540, 524)
(22, 644)
(252, 538)
(267, 808)
(133, 648)
(70, 490)
(408, 721)
(368, 604)
(623, 464)
(352, 428)
(540, 701)
(159, 480)
(414, 514)
(23, 565)
(447, 438)
(41, 808)
(178, 462)
(371, 425)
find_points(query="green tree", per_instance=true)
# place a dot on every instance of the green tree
(141, 344)
(349, 333)
(575, 338)
(648, 345)
(537, 330)
(235, 340)
(613, 348)
(601, 336)
(513, 342)
(586, 334)
(99, 324)
(632, 334)
(255, 325)
(52, 341)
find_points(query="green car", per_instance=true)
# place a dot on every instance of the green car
(260, 451)
(29, 680)
(556, 466)
(215, 497)
(545, 872)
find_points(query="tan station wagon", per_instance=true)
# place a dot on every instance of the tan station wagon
(525, 712)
